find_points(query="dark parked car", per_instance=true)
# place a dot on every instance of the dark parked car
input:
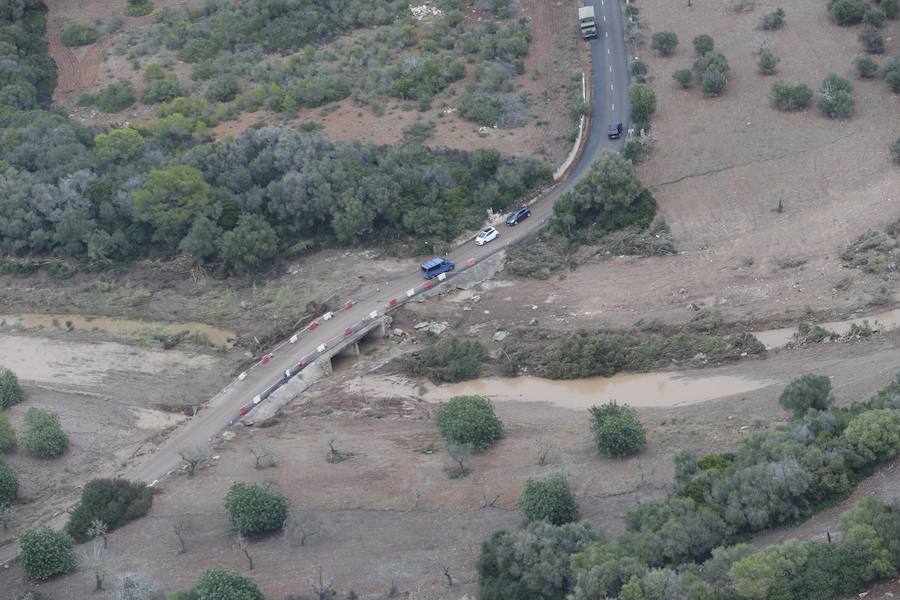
(615, 131)
(516, 216)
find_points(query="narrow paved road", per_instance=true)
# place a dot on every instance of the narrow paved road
(609, 104)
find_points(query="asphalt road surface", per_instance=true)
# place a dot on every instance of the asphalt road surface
(609, 104)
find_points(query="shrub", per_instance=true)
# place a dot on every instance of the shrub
(9, 484)
(161, 90)
(874, 435)
(684, 78)
(113, 501)
(891, 8)
(617, 430)
(7, 434)
(895, 150)
(138, 8)
(223, 584)
(223, 89)
(450, 360)
(872, 40)
(866, 67)
(115, 97)
(847, 12)
(10, 390)
(892, 78)
(532, 564)
(773, 20)
(549, 499)
(702, 44)
(469, 420)
(806, 392)
(43, 435)
(664, 42)
(79, 34)
(836, 101)
(789, 96)
(45, 553)
(253, 509)
(154, 72)
(767, 62)
(874, 17)
(483, 109)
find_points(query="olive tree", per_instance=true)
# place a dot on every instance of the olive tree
(9, 484)
(836, 100)
(894, 147)
(43, 435)
(45, 553)
(7, 434)
(767, 62)
(684, 78)
(550, 500)
(643, 103)
(617, 429)
(664, 42)
(10, 390)
(253, 509)
(806, 392)
(702, 44)
(866, 67)
(469, 420)
(847, 12)
(788, 96)
(224, 584)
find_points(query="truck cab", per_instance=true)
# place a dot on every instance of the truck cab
(435, 267)
(588, 24)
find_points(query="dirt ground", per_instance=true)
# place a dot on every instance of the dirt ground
(363, 525)
(106, 394)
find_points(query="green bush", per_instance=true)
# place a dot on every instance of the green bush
(161, 90)
(789, 96)
(806, 392)
(223, 89)
(866, 67)
(702, 44)
(773, 20)
(115, 97)
(79, 34)
(895, 150)
(638, 68)
(469, 420)
(43, 435)
(448, 361)
(684, 78)
(767, 62)
(874, 435)
(9, 484)
(836, 101)
(7, 434)
(874, 17)
(154, 72)
(138, 8)
(549, 500)
(45, 553)
(223, 584)
(847, 12)
(253, 509)
(664, 42)
(113, 501)
(10, 390)
(483, 109)
(872, 40)
(617, 430)
(250, 246)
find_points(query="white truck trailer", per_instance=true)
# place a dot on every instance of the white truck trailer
(588, 24)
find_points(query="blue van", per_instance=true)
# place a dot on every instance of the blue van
(436, 266)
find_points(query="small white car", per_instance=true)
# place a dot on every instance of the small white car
(485, 236)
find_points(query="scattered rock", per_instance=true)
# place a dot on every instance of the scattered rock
(437, 328)
(500, 336)
(228, 435)
(422, 325)
(397, 332)
(533, 322)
